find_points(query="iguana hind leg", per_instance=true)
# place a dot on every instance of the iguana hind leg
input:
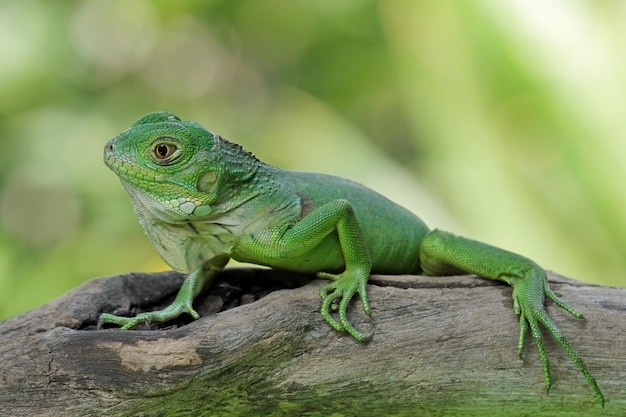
(442, 253)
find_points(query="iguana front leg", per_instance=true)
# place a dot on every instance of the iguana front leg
(304, 239)
(193, 285)
(442, 253)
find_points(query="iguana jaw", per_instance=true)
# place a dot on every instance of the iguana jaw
(123, 166)
(150, 194)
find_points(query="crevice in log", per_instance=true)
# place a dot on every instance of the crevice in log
(233, 288)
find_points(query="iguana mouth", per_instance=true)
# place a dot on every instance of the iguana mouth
(125, 167)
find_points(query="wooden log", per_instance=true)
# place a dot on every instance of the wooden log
(439, 346)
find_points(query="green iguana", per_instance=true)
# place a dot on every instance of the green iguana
(203, 200)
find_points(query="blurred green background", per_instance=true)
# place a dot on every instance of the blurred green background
(501, 121)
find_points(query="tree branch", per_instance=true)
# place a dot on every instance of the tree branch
(439, 345)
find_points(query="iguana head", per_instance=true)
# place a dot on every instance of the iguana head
(177, 170)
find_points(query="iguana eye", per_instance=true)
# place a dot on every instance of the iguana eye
(164, 151)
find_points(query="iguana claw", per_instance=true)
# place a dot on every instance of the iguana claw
(343, 288)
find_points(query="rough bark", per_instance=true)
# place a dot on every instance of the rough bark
(439, 346)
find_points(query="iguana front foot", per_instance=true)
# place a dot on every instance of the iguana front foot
(528, 301)
(183, 303)
(343, 288)
(170, 312)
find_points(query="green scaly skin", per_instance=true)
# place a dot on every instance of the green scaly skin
(203, 200)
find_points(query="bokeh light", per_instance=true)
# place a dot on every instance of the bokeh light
(502, 121)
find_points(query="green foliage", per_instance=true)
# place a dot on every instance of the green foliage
(509, 115)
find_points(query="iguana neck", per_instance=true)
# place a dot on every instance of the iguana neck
(239, 164)
(239, 176)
